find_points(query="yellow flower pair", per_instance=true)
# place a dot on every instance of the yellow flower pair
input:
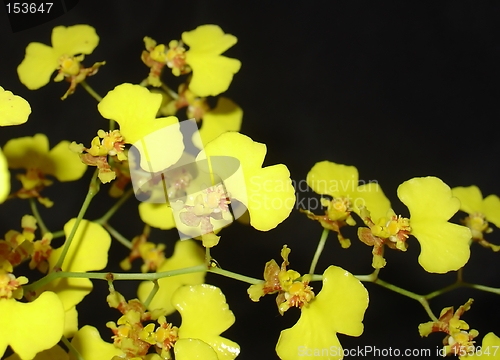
(444, 246)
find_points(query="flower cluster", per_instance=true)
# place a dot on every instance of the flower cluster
(198, 176)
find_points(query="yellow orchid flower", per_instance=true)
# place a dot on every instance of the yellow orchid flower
(481, 211)
(134, 107)
(88, 252)
(212, 72)
(30, 327)
(205, 315)
(90, 345)
(490, 349)
(187, 253)
(32, 154)
(445, 246)
(342, 182)
(266, 192)
(14, 110)
(42, 60)
(338, 308)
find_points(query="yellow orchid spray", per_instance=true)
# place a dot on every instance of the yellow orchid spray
(175, 186)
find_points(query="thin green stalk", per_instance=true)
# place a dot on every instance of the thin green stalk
(482, 288)
(71, 348)
(103, 219)
(235, 276)
(93, 189)
(37, 216)
(421, 299)
(443, 290)
(152, 294)
(169, 91)
(107, 276)
(319, 250)
(121, 239)
(91, 91)
(208, 257)
(57, 234)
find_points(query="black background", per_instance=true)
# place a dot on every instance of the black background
(399, 89)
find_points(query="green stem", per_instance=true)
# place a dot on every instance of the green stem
(37, 216)
(208, 257)
(319, 250)
(93, 189)
(57, 234)
(71, 348)
(111, 276)
(152, 294)
(421, 299)
(482, 288)
(103, 219)
(235, 276)
(443, 290)
(122, 239)
(169, 91)
(91, 91)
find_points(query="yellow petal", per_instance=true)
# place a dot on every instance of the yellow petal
(212, 73)
(271, 197)
(88, 252)
(90, 345)
(491, 209)
(38, 65)
(490, 348)
(187, 253)
(428, 198)
(250, 153)
(70, 322)
(65, 164)
(14, 110)
(445, 246)
(470, 198)
(157, 215)
(205, 315)
(194, 349)
(71, 292)
(27, 152)
(4, 178)
(328, 178)
(31, 327)
(226, 116)
(338, 308)
(159, 141)
(54, 353)
(33, 153)
(373, 198)
(209, 39)
(266, 192)
(73, 40)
